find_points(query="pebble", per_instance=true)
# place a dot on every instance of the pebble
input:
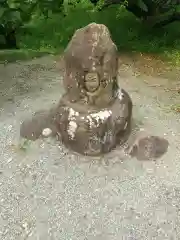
(46, 132)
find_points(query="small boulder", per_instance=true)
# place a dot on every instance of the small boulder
(145, 146)
(39, 125)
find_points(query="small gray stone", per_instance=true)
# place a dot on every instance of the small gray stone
(145, 146)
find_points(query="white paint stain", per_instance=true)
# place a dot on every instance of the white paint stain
(72, 129)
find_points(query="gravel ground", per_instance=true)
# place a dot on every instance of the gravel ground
(49, 193)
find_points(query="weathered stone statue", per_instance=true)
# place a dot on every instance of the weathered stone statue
(94, 114)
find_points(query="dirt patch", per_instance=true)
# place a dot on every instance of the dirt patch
(24, 77)
(150, 65)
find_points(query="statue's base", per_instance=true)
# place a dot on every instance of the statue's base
(94, 131)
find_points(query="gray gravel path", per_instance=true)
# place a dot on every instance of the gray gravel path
(49, 193)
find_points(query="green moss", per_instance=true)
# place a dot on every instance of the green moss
(53, 34)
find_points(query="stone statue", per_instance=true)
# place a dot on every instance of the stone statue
(94, 114)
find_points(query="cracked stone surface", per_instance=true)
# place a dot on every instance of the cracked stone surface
(46, 192)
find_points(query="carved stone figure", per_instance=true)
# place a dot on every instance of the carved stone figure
(94, 113)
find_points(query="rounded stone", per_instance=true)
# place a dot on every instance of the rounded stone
(46, 132)
(94, 131)
(145, 146)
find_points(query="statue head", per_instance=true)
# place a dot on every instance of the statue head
(91, 82)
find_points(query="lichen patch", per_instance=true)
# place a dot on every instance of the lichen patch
(72, 114)
(101, 115)
(95, 119)
(72, 127)
(90, 121)
(120, 94)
